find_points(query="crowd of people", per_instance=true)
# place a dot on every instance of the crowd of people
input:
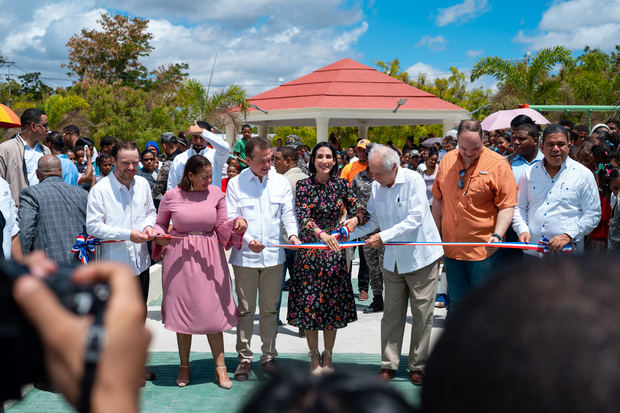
(186, 206)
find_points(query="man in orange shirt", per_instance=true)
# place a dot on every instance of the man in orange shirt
(474, 197)
(350, 170)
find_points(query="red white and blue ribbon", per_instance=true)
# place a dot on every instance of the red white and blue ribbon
(542, 246)
(342, 234)
(84, 247)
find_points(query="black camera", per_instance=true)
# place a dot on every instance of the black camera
(21, 353)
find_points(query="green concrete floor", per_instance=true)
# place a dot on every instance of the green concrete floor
(203, 395)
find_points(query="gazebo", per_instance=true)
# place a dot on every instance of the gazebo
(348, 93)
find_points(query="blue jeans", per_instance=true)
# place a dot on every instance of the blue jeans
(465, 276)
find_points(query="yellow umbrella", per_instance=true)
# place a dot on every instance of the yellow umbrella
(8, 118)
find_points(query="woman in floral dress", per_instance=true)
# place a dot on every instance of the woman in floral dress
(321, 295)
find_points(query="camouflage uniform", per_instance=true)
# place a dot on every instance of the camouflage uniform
(303, 165)
(613, 243)
(162, 177)
(362, 185)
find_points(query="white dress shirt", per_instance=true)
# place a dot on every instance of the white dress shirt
(568, 203)
(266, 206)
(31, 160)
(9, 211)
(402, 213)
(113, 211)
(218, 155)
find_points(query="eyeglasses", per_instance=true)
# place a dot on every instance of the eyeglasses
(461, 182)
(45, 125)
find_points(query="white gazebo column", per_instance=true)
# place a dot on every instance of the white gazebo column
(448, 123)
(231, 134)
(262, 131)
(362, 129)
(451, 122)
(322, 127)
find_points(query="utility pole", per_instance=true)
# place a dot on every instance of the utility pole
(8, 77)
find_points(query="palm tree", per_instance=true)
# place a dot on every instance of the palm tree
(215, 108)
(526, 81)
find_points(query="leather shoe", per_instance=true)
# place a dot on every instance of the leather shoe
(363, 295)
(243, 371)
(417, 377)
(387, 374)
(271, 367)
(375, 307)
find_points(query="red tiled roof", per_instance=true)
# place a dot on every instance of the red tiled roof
(347, 84)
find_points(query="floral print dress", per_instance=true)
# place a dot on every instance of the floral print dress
(321, 295)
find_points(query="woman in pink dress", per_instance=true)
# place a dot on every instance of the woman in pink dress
(197, 290)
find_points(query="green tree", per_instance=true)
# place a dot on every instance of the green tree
(593, 81)
(215, 108)
(58, 106)
(527, 81)
(112, 54)
(31, 84)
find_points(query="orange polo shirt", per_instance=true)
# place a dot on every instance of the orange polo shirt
(351, 169)
(470, 214)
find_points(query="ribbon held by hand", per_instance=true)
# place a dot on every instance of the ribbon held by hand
(567, 249)
(341, 234)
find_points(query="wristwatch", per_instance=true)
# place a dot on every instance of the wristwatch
(499, 237)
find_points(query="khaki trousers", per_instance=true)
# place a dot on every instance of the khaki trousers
(418, 287)
(267, 282)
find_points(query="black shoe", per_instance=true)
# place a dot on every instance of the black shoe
(271, 367)
(287, 285)
(375, 307)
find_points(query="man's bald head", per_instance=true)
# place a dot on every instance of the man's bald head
(49, 165)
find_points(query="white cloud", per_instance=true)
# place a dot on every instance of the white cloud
(345, 40)
(433, 43)
(485, 82)
(431, 72)
(256, 41)
(285, 36)
(462, 12)
(474, 53)
(61, 19)
(594, 23)
(241, 14)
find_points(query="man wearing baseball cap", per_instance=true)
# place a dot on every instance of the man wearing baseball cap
(295, 142)
(349, 171)
(170, 147)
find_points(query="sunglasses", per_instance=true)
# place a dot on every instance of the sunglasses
(461, 182)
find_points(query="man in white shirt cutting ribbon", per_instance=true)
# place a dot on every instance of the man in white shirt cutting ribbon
(398, 207)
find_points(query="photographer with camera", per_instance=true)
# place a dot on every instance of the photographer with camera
(122, 357)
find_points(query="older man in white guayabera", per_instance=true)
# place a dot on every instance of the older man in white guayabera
(399, 208)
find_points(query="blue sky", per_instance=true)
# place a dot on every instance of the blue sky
(261, 43)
